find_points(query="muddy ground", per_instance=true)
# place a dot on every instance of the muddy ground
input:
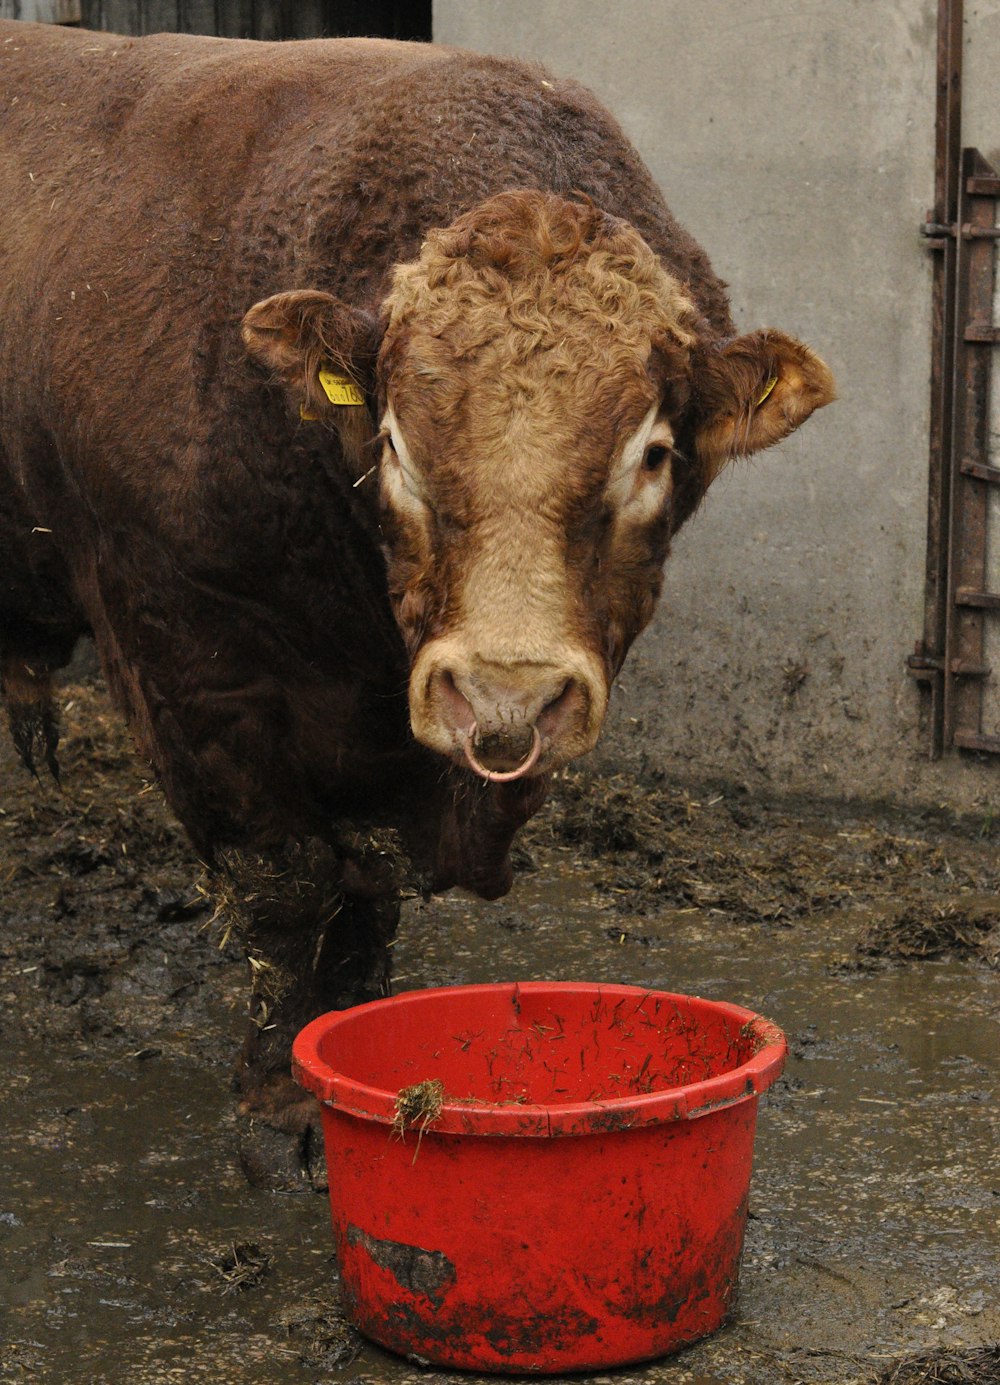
(132, 1250)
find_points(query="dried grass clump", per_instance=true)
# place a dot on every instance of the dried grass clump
(242, 1267)
(610, 815)
(321, 1334)
(972, 1366)
(916, 932)
(416, 1107)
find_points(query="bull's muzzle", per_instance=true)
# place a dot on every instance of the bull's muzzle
(506, 720)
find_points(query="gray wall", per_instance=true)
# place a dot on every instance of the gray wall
(795, 139)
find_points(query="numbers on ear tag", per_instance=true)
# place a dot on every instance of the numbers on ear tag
(338, 389)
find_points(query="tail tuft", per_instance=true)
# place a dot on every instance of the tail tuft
(26, 689)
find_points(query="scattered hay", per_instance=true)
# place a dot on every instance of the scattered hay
(242, 1267)
(290, 889)
(973, 1366)
(606, 816)
(656, 848)
(919, 932)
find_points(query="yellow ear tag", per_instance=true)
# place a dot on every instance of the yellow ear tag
(338, 389)
(767, 390)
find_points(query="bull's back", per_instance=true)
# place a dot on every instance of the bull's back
(338, 155)
(67, 90)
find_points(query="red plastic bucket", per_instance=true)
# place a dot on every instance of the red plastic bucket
(538, 1177)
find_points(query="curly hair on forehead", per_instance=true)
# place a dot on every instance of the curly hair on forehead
(540, 258)
(525, 231)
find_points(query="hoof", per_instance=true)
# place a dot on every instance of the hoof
(283, 1152)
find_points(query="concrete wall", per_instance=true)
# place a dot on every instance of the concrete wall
(795, 139)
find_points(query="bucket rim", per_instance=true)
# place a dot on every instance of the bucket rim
(467, 1117)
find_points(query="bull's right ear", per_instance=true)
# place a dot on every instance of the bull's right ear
(752, 391)
(324, 352)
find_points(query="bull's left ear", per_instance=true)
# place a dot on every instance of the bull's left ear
(324, 351)
(751, 392)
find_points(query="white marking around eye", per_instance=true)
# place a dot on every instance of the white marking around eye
(400, 478)
(631, 492)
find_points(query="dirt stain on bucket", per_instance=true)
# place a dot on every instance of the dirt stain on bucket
(419, 1271)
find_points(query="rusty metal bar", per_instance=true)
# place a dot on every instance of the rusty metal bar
(937, 231)
(922, 667)
(973, 352)
(968, 740)
(986, 601)
(962, 232)
(982, 331)
(928, 662)
(985, 473)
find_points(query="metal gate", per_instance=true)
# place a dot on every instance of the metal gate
(962, 603)
(263, 19)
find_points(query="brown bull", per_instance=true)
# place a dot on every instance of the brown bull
(350, 394)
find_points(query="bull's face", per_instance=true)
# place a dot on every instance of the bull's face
(551, 410)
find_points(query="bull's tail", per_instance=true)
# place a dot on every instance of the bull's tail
(29, 655)
(26, 689)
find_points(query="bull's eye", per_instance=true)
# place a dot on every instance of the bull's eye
(656, 455)
(401, 481)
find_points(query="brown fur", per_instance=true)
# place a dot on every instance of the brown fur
(189, 227)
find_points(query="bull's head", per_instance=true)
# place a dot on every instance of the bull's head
(551, 409)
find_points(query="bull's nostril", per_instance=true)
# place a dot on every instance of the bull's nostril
(458, 710)
(568, 706)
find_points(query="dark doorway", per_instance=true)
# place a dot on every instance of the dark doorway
(264, 19)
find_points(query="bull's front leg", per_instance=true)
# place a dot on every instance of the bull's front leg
(316, 921)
